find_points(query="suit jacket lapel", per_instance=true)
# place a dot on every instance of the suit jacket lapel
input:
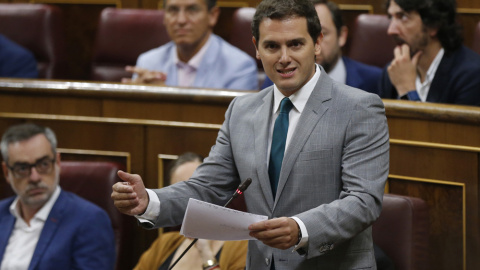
(51, 226)
(208, 60)
(172, 76)
(313, 111)
(441, 78)
(261, 129)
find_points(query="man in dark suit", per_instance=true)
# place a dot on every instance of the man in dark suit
(317, 152)
(430, 63)
(44, 227)
(16, 61)
(340, 68)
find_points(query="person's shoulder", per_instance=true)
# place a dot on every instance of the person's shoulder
(80, 205)
(362, 67)
(8, 45)
(13, 51)
(464, 58)
(5, 203)
(250, 101)
(230, 51)
(354, 96)
(162, 51)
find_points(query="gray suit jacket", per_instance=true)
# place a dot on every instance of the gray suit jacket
(332, 178)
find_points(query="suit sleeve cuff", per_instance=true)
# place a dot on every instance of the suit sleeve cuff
(411, 95)
(304, 241)
(153, 209)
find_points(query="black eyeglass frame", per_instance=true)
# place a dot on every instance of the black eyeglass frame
(38, 167)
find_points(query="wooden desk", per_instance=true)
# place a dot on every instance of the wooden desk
(115, 100)
(434, 148)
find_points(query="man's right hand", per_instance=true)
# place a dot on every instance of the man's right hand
(403, 69)
(145, 76)
(130, 197)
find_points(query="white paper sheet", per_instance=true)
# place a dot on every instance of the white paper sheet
(208, 221)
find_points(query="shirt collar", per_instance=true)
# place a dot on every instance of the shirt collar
(424, 87)
(434, 66)
(299, 98)
(43, 213)
(196, 59)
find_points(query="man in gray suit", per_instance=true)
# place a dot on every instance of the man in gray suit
(322, 188)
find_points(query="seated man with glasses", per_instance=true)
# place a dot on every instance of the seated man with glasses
(45, 227)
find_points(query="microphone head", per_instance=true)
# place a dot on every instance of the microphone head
(244, 185)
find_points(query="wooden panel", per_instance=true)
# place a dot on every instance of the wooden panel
(115, 100)
(439, 170)
(19, 102)
(164, 162)
(446, 219)
(170, 111)
(175, 141)
(468, 18)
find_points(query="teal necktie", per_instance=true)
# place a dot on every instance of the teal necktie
(279, 138)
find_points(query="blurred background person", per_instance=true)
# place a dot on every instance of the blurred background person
(45, 227)
(230, 255)
(195, 57)
(430, 62)
(16, 61)
(340, 68)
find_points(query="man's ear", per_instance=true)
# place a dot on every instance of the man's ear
(5, 171)
(257, 54)
(342, 36)
(58, 159)
(317, 45)
(213, 16)
(432, 32)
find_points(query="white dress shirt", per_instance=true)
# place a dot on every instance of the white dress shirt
(299, 100)
(24, 237)
(423, 88)
(188, 71)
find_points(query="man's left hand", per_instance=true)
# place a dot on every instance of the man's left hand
(281, 233)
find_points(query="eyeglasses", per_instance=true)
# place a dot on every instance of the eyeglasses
(23, 170)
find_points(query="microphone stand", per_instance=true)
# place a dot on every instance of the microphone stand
(243, 186)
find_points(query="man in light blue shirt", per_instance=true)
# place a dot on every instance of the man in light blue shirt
(195, 57)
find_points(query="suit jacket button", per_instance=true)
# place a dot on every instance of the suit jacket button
(267, 261)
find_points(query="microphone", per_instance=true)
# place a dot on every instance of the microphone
(241, 188)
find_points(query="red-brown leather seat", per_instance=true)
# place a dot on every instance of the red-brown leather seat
(369, 42)
(38, 28)
(241, 36)
(401, 231)
(476, 39)
(123, 34)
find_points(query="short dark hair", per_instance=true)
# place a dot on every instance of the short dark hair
(182, 159)
(281, 9)
(24, 132)
(439, 14)
(334, 11)
(210, 3)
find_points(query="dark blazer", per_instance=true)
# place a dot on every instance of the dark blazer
(76, 235)
(332, 177)
(359, 75)
(457, 80)
(16, 61)
(362, 76)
